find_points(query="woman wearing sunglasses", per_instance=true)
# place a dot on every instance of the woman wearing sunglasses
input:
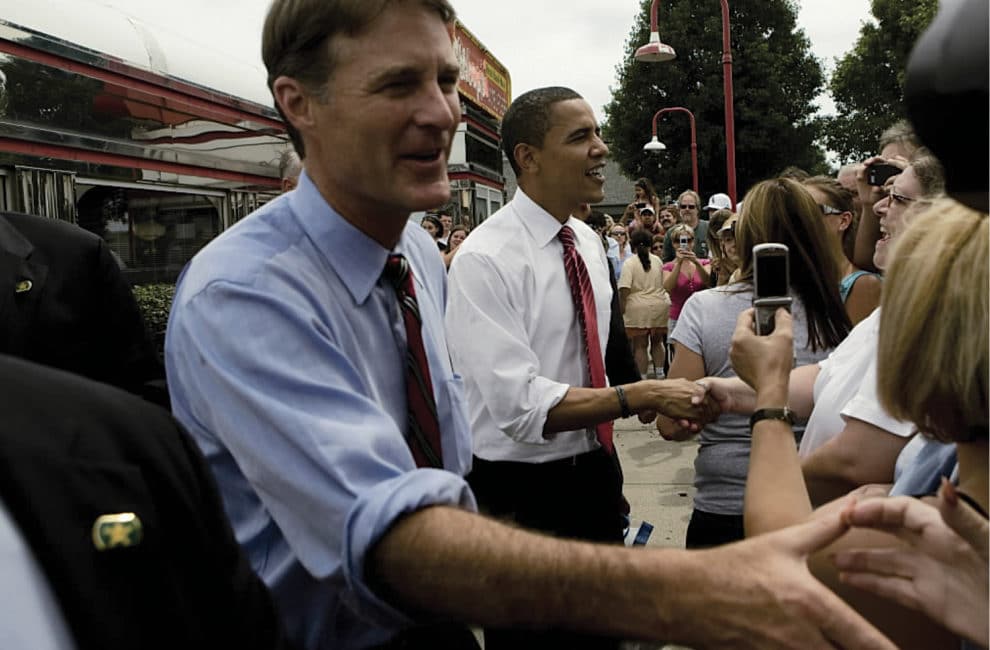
(687, 274)
(859, 289)
(621, 236)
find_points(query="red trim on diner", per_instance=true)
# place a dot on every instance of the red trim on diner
(206, 136)
(478, 178)
(130, 162)
(167, 90)
(481, 127)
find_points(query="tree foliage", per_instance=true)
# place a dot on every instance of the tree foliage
(775, 79)
(868, 82)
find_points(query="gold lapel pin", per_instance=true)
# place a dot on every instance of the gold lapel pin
(23, 286)
(118, 530)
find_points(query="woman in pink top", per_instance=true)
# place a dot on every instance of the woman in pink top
(686, 274)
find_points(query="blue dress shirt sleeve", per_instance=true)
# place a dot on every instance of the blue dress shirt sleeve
(260, 375)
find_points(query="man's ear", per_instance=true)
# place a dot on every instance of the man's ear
(294, 101)
(527, 157)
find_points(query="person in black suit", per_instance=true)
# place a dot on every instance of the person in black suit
(64, 303)
(123, 518)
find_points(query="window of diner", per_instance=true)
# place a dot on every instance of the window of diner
(482, 151)
(480, 206)
(152, 234)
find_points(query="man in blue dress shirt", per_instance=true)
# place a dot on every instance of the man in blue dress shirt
(286, 357)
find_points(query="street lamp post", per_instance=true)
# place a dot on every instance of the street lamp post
(652, 145)
(655, 52)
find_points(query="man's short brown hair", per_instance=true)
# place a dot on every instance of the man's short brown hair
(297, 40)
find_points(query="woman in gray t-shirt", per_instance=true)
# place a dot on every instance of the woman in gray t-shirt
(779, 211)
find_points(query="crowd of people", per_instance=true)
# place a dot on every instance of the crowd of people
(411, 434)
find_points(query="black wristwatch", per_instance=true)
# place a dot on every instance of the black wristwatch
(785, 414)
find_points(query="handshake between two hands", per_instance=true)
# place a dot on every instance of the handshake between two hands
(764, 363)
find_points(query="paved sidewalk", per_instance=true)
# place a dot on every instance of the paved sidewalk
(659, 479)
(659, 483)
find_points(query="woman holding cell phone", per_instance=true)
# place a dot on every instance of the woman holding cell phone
(777, 212)
(686, 274)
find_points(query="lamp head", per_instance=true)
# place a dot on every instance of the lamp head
(654, 51)
(654, 145)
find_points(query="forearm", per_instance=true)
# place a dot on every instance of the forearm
(800, 398)
(583, 407)
(703, 271)
(824, 483)
(494, 575)
(776, 496)
(860, 454)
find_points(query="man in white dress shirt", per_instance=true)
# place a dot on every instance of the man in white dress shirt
(515, 335)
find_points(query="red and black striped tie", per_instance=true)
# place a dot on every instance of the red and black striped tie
(423, 435)
(584, 305)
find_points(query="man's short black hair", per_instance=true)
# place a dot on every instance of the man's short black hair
(596, 220)
(528, 119)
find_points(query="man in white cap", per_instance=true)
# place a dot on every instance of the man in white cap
(719, 202)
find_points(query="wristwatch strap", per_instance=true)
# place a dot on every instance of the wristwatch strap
(785, 414)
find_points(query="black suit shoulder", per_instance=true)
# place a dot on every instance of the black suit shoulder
(79, 313)
(72, 451)
(54, 235)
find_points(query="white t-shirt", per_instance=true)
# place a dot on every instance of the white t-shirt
(846, 387)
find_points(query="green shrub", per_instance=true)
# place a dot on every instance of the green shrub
(155, 301)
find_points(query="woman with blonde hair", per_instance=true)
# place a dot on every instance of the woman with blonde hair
(859, 289)
(623, 250)
(781, 211)
(927, 374)
(645, 305)
(687, 274)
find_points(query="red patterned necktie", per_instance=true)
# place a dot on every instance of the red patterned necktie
(423, 434)
(584, 305)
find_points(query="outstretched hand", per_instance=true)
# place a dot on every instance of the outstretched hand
(715, 389)
(682, 398)
(942, 571)
(763, 595)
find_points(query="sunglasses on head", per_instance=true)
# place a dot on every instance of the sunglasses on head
(828, 210)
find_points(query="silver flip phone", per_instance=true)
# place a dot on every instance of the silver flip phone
(771, 281)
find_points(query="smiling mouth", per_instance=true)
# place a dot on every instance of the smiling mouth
(598, 173)
(424, 156)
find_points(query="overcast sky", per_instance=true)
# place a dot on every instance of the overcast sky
(577, 43)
